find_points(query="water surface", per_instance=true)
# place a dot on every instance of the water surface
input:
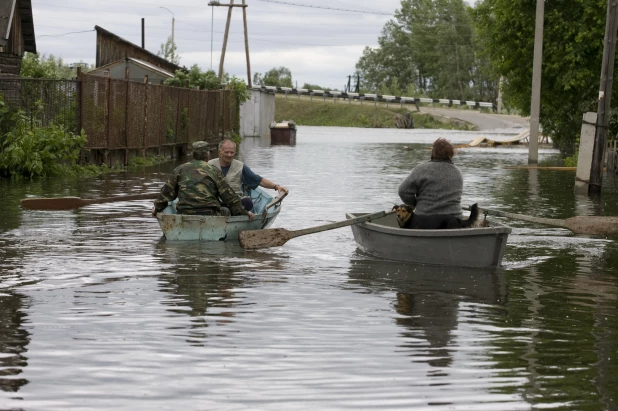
(98, 311)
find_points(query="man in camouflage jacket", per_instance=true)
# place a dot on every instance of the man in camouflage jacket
(200, 188)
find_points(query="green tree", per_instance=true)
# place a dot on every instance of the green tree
(429, 48)
(572, 53)
(50, 67)
(308, 86)
(195, 77)
(279, 77)
(168, 51)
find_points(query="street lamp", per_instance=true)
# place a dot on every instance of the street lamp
(173, 44)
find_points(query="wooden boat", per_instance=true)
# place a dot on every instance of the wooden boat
(467, 247)
(283, 133)
(219, 228)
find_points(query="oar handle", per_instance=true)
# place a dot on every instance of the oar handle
(147, 196)
(350, 221)
(541, 220)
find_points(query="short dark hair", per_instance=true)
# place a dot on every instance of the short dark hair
(442, 150)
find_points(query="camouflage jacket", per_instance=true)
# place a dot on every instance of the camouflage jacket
(199, 188)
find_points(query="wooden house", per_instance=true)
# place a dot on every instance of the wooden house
(112, 48)
(16, 35)
(132, 69)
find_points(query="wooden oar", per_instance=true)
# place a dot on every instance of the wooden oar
(70, 203)
(591, 225)
(275, 237)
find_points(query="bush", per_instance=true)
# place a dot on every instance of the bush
(571, 161)
(34, 151)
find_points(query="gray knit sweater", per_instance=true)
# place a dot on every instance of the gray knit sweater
(434, 187)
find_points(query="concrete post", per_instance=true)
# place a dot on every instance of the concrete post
(535, 108)
(586, 149)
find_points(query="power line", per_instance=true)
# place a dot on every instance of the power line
(65, 34)
(327, 8)
(254, 37)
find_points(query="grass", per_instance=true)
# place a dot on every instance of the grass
(319, 112)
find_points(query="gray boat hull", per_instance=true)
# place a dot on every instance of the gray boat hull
(469, 247)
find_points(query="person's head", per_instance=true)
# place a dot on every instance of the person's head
(227, 151)
(442, 150)
(201, 151)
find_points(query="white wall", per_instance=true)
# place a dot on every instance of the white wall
(136, 73)
(256, 114)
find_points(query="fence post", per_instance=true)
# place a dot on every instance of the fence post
(222, 113)
(80, 105)
(107, 127)
(162, 126)
(175, 154)
(126, 117)
(146, 98)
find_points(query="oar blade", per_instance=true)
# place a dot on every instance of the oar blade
(270, 237)
(70, 203)
(593, 225)
(61, 203)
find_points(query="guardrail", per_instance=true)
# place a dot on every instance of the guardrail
(375, 97)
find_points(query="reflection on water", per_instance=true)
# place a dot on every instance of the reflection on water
(429, 300)
(98, 311)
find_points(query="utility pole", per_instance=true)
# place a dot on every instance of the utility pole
(535, 106)
(605, 96)
(143, 34)
(212, 29)
(230, 6)
(173, 44)
(244, 18)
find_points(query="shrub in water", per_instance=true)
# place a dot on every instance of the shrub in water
(34, 151)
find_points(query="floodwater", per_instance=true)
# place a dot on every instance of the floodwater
(99, 312)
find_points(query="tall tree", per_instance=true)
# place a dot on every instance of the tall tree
(195, 77)
(50, 67)
(276, 76)
(572, 52)
(429, 47)
(168, 51)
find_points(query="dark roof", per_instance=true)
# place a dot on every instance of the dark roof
(27, 25)
(7, 8)
(151, 56)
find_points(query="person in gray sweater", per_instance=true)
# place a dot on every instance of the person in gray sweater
(435, 187)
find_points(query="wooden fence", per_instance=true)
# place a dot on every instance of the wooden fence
(611, 156)
(125, 118)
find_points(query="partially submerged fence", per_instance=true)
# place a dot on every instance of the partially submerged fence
(611, 156)
(45, 102)
(123, 118)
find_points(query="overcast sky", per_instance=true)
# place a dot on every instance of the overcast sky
(320, 41)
